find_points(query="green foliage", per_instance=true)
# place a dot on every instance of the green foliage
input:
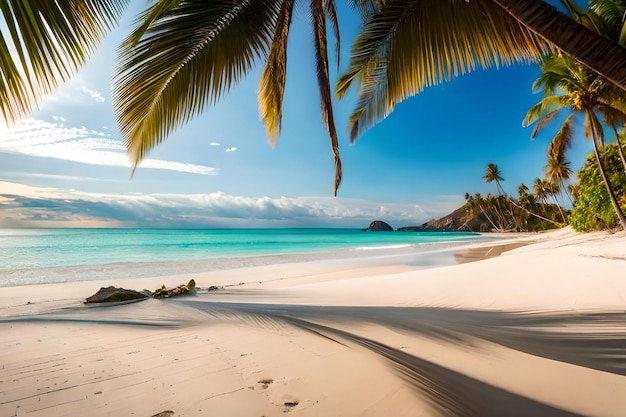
(592, 207)
(505, 213)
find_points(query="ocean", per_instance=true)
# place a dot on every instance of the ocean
(52, 255)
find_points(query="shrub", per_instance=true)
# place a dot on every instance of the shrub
(592, 207)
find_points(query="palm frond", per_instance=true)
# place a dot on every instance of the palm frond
(149, 16)
(318, 19)
(545, 107)
(563, 139)
(556, 70)
(15, 98)
(595, 128)
(51, 39)
(425, 42)
(543, 122)
(611, 12)
(612, 116)
(366, 8)
(188, 57)
(331, 13)
(272, 85)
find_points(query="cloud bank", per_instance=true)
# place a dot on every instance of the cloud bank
(26, 206)
(53, 140)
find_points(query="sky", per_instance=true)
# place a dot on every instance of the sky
(65, 166)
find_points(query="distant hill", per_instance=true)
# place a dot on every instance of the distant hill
(460, 220)
(465, 220)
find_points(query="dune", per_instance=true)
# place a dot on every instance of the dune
(529, 325)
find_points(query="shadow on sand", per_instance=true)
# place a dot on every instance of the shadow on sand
(592, 340)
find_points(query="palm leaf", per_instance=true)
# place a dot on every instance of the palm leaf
(602, 55)
(272, 85)
(612, 116)
(318, 19)
(563, 139)
(425, 42)
(51, 40)
(331, 14)
(188, 57)
(595, 128)
(545, 108)
(365, 7)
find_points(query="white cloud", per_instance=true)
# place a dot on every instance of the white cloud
(93, 94)
(59, 119)
(231, 149)
(43, 139)
(76, 91)
(216, 209)
(215, 144)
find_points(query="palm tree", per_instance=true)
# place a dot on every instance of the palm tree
(568, 85)
(184, 55)
(51, 39)
(526, 203)
(408, 45)
(558, 173)
(492, 174)
(478, 201)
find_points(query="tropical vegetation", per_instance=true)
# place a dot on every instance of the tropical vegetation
(568, 86)
(530, 211)
(593, 209)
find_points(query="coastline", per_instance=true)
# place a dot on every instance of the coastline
(398, 339)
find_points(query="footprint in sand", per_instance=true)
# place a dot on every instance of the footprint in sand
(166, 413)
(265, 382)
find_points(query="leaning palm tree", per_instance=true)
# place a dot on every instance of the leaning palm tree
(49, 40)
(570, 86)
(408, 45)
(185, 55)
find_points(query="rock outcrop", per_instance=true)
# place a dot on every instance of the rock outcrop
(460, 220)
(182, 289)
(379, 226)
(113, 294)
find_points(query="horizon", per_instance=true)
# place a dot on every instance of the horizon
(66, 163)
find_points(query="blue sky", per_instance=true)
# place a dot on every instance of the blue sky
(65, 165)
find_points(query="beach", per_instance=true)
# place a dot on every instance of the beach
(527, 325)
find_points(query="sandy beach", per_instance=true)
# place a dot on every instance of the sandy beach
(531, 325)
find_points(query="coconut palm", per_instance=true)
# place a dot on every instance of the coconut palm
(558, 172)
(569, 86)
(408, 45)
(492, 174)
(606, 17)
(184, 55)
(50, 40)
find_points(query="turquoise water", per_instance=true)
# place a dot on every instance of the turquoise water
(44, 248)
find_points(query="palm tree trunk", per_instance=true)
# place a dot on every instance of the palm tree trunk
(537, 215)
(558, 206)
(598, 53)
(619, 148)
(488, 218)
(614, 203)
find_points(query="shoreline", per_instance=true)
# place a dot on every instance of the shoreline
(132, 270)
(513, 334)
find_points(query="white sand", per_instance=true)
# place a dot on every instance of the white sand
(144, 358)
